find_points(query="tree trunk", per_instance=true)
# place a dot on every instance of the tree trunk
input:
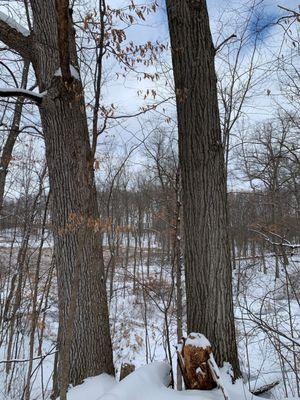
(77, 244)
(74, 211)
(207, 250)
(12, 136)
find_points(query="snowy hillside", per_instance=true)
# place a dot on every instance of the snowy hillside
(139, 334)
(151, 383)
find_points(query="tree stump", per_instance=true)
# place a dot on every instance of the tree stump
(126, 369)
(193, 359)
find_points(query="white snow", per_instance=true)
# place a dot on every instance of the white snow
(199, 371)
(24, 91)
(259, 361)
(150, 383)
(197, 340)
(92, 388)
(14, 24)
(74, 73)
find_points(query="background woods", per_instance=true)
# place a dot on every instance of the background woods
(118, 233)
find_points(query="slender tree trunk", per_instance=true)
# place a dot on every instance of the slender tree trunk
(264, 266)
(12, 136)
(135, 261)
(35, 310)
(204, 192)
(233, 254)
(179, 302)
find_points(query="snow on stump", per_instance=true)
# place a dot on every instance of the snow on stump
(193, 358)
(126, 369)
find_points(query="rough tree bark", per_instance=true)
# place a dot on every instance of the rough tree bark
(204, 197)
(78, 252)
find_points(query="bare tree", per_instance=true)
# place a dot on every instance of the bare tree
(51, 49)
(201, 156)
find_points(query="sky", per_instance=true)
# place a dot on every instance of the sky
(263, 20)
(156, 27)
(124, 93)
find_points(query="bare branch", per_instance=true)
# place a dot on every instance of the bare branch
(42, 357)
(233, 36)
(293, 12)
(143, 111)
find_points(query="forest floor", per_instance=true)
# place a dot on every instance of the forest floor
(267, 320)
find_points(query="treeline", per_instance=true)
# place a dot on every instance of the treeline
(143, 214)
(142, 208)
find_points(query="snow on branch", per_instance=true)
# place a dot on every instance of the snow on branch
(14, 35)
(15, 92)
(283, 242)
(13, 24)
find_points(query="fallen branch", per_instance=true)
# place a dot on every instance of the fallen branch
(264, 389)
(180, 360)
(214, 369)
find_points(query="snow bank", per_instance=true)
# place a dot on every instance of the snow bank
(150, 383)
(92, 388)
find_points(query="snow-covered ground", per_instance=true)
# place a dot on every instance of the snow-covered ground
(267, 321)
(268, 324)
(151, 383)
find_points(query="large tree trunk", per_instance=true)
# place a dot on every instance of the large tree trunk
(77, 245)
(207, 250)
(84, 340)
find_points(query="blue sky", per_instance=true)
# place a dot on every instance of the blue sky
(124, 93)
(268, 12)
(230, 12)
